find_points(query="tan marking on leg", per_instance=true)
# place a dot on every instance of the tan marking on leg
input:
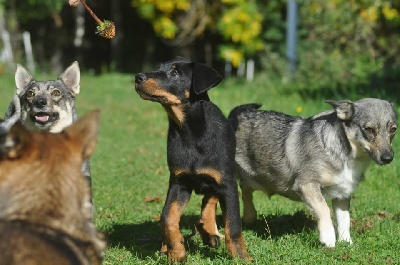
(207, 226)
(228, 240)
(235, 246)
(172, 235)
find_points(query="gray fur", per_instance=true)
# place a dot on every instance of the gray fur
(34, 99)
(312, 159)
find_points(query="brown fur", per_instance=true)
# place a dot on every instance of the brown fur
(45, 210)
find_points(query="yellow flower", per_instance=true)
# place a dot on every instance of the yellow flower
(165, 27)
(237, 58)
(370, 14)
(390, 13)
(299, 109)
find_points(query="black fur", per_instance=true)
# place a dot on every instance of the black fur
(200, 149)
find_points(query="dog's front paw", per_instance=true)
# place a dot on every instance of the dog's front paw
(345, 238)
(177, 255)
(328, 239)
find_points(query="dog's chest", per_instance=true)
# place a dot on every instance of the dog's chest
(210, 144)
(346, 181)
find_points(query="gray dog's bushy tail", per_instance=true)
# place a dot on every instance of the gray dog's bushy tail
(235, 112)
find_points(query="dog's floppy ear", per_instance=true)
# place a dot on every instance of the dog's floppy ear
(22, 79)
(344, 108)
(14, 140)
(71, 77)
(204, 78)
(84, 132)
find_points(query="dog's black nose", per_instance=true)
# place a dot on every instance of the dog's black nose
(140, 78)
(40, 103)
(386, 157)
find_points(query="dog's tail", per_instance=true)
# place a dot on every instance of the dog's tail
(235, 112)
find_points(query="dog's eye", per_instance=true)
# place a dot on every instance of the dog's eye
(56, 93)
(30, 94)
(174, 72)
(370, 130)
(393, 130)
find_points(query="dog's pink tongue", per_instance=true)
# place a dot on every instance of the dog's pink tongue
(42, 118)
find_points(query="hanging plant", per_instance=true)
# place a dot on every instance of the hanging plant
(105, 28)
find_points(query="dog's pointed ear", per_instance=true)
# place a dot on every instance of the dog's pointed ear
(22, 79)
(84, 132)
(344, 108)
(71, 77)
(13, 141)
(204, 78)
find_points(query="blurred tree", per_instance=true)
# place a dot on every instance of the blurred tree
(338, 39)
(180, 22)
(24, 15)
(345, 41)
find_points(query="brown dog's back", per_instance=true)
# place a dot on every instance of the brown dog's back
(45, 213)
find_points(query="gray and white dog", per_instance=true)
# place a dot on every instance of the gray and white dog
(46, 105)
(312, 159)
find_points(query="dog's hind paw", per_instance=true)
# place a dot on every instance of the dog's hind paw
(209, 238)
(346, 240)
(215, 241)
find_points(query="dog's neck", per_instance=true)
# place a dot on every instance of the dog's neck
(189, 116)
(176, 114)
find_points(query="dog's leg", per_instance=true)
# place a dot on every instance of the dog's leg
(249, 211)
(341, 208)
(173, 244)
(311, 195)
(207, 225)
(229, 201)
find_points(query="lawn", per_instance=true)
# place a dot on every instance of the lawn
(130, 179)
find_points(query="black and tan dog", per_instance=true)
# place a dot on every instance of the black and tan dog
(200, 150)
(44, 213)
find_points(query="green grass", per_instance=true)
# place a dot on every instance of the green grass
(130, 163)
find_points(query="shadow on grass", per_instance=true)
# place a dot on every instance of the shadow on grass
(273, 226)
(144, 239)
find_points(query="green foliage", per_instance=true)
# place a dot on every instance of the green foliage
(344, 47)
(238, 21)
(37, 9)
(241, 25)
(160, 13)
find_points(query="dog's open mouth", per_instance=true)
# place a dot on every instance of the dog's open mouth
(43, 118)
